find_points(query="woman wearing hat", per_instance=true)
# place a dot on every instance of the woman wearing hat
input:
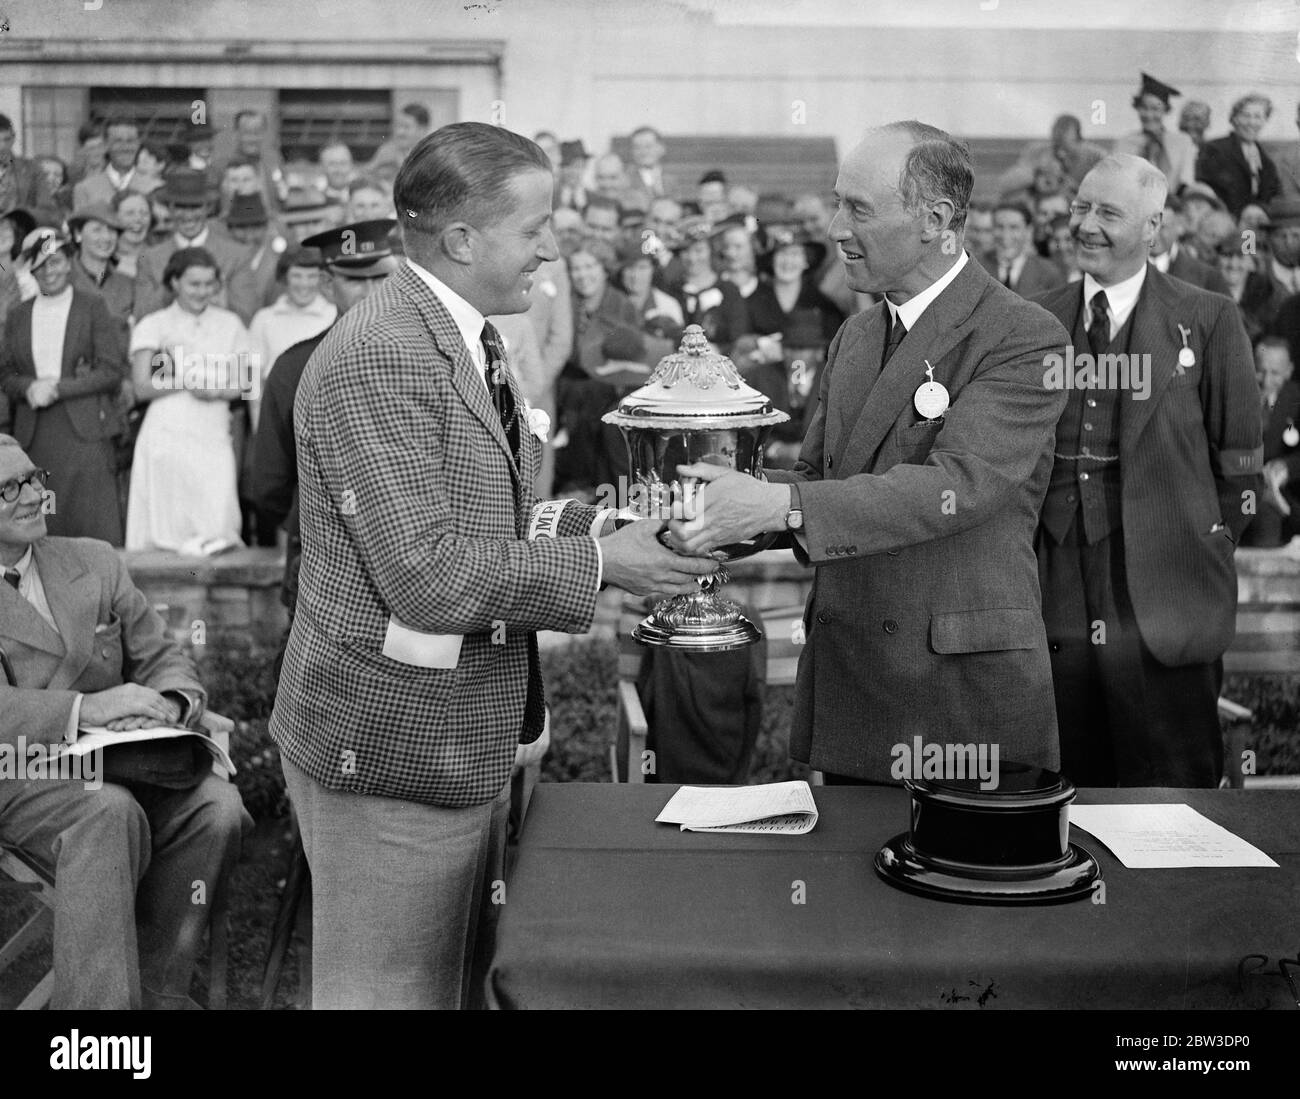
(712, 303)
(95, 231)
(185, 361)
(793, 322)
(660, 313)
(61, 363)
(14, 227)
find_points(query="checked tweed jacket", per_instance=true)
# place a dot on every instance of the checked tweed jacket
(413, 508)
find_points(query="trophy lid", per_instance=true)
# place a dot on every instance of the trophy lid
(696, 387)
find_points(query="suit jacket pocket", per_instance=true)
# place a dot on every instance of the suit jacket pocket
(981, 631)
(915, 440)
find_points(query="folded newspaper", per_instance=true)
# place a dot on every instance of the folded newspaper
(93, 737)
(782, 807)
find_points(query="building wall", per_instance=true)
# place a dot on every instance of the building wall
(595, 69)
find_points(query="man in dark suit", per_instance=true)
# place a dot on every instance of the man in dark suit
(353, 275)
(1169, 257)
(139, 861)
(1279, 509)
(917, 508)
(647, 179)
(412, 673)
(1236, 166)
(1157, 474)
(1013, 262)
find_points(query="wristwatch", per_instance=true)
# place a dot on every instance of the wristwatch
(794, 519)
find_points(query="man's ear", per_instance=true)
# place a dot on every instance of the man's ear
(457, 241)
(937, 219)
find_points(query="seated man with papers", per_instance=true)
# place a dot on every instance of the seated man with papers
(140, 846)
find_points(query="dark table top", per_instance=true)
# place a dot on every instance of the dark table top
(605, 908)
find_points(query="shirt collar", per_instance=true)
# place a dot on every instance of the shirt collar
(468, 319)
(119, 179)
(197, 242)
(1120, 298)
(23, 564)
(910, 311)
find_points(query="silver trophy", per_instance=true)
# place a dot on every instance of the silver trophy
(695, 408)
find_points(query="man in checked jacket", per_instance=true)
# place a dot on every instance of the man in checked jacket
(411, 672)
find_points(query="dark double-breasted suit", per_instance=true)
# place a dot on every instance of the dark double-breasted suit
(924, 619)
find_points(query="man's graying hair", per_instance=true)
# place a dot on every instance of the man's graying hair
(462, 172)
(936, 167)
(1150, 179)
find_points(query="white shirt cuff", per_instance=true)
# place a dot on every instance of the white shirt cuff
(596, 525)
(74, 721)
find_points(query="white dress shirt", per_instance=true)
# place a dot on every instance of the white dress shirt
(1010, 277)
(49, 326)
(910, 311)
(1120, 298)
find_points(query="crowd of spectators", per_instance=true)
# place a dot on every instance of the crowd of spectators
(134, 271)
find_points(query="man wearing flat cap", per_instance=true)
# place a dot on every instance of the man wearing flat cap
(185, 194)
(570, 187)
(1172, 151)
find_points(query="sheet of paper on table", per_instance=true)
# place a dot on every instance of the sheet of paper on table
(93, 737)
(781, 807)
(1164, 836)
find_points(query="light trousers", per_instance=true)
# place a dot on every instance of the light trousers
(402, 893)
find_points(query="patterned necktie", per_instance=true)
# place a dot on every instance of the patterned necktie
(1006, 276)
(499, 385)
(897, 330)
(1099, 329)
(12, 577)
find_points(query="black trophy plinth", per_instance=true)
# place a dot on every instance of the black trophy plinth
(1010, 845)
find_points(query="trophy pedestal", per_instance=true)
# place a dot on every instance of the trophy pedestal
(703, 622)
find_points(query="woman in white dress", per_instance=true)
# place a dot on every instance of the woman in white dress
(187, 361)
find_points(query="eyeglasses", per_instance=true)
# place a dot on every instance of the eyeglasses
(11, 490)
(1105, 214)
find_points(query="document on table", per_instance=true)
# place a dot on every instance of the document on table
(1163, 836)
(91, 738)
(781, 807)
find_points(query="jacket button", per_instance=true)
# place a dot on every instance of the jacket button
(829, 461)
(823, 617)
(1083, 476)
(851, 550)
(890, 625)
(1071, 498)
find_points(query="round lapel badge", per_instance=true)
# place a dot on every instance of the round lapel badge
(1291, 436)
(1186, 358)
(931, 400)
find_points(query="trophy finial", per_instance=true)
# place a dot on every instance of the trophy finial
(694, 342)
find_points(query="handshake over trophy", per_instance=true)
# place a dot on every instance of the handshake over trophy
(695, 408)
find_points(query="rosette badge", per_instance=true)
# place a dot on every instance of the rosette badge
(695, 408)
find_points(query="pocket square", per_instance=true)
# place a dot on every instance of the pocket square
(422, 650)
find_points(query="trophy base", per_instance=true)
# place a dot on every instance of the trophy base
(1066, 879)
(701, 623)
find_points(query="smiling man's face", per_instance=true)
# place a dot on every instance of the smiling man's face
(879, 241)
(511, 249)
(1113, 224)
(22, 521)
